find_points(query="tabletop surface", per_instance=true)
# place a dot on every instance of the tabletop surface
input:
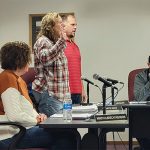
(137, 105)
(58, 122)
(92, 123)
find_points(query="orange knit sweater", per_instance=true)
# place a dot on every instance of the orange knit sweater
(9, 79)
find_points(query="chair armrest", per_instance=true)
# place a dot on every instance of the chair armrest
(18, 136)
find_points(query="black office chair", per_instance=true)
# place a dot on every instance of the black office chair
(29, 77)
(19, 135)
(22, 131)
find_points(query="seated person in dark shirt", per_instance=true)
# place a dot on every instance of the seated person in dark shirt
(142, 93)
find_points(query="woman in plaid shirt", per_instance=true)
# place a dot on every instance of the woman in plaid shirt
(51, 81)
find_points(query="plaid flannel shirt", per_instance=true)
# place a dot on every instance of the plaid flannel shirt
(51, 68)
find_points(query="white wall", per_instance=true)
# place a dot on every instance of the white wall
(113, 35)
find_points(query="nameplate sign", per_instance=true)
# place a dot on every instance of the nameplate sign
(105, 117)
(111, 107)
(121, 102)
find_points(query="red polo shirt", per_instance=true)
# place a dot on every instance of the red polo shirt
(72, 53)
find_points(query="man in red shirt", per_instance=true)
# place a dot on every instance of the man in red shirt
(72, 53)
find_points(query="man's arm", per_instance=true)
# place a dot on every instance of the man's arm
(83, 94)
(49, 53)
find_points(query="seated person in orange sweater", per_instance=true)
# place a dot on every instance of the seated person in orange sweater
(16, 105)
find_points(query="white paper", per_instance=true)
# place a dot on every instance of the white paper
(75, 115)
(88, 108)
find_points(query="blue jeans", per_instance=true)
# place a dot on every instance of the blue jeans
(36, 137)
(76, 98)
(47, 104)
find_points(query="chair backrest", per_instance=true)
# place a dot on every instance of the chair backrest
(131, 78)
(18, 137)
(29, 76)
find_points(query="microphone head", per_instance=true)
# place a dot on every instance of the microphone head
(95, 76)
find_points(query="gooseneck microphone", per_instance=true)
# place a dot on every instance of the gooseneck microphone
(87, 80)
(113, 81)
(97, 77)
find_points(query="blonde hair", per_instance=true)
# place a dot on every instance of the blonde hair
(47, 26)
